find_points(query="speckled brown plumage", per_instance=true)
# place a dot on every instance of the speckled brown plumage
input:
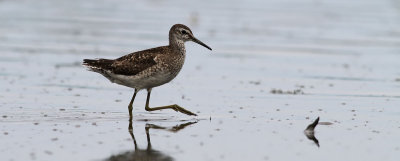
(130, 64)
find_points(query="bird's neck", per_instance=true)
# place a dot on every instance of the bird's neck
(177, 45)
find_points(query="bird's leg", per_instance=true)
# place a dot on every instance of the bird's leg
(174, 106)
(130, 105)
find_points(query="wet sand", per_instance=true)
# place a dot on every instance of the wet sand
(275, 67)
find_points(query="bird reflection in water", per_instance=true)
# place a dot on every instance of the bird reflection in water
(148, 154)
(309, 132)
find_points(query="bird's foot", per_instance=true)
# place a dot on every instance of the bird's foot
(175, 107)
(182, 110)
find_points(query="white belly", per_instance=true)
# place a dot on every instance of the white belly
(139, 82)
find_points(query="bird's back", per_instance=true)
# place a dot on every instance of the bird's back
(130, 64)
(143, 69)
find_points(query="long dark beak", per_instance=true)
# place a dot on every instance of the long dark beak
(199, 42)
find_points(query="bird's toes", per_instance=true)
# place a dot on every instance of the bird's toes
(176, 109)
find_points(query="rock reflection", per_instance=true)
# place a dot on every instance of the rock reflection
(148, 154)
(309, 132)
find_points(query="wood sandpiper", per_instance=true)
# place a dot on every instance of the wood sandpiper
(148, 68)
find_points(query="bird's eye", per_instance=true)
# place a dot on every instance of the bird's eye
(183, 32)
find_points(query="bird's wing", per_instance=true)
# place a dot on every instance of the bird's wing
(136, 62)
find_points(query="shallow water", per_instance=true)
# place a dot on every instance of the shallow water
(342, 56)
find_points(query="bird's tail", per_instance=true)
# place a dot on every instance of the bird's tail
(102, 64)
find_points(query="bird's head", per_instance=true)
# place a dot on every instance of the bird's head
(182, 33)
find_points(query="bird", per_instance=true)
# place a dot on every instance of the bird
(148, 68)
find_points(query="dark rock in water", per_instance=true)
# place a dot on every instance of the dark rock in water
(309, 131)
